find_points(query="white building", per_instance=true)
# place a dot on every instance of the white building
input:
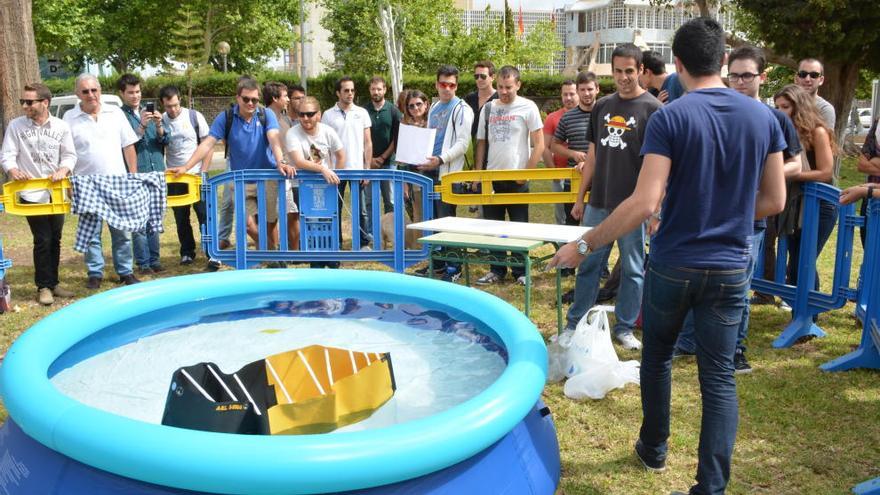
(318, 48)
(595, 27)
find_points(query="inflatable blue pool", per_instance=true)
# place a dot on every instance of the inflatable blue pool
(501, 441)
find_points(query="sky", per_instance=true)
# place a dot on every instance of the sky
(526, 4)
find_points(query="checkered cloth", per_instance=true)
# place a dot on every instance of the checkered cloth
(133, 203)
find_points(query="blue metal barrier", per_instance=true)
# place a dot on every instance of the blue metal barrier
(804, 300)
(866, 355)
(320, 218)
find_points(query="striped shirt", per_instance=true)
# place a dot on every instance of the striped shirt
(573, 128)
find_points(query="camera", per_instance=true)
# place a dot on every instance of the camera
(151, 106)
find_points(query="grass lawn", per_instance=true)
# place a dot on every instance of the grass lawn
(802, 431)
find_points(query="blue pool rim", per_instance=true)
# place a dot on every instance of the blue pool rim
(223, 463)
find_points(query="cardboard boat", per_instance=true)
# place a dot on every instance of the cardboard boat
(315, 389)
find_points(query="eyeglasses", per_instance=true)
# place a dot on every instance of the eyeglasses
(28, 103)
(252, 101)
(413, 106)
(745, 77)
(447, 85)
(308, 115)
(346, 90)
(803, 74)
(89, 90)
(481, 76)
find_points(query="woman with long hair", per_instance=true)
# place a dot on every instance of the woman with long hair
(818, 166)
(415, 113)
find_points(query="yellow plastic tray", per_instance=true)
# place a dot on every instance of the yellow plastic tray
(487, 197)
(60, 193)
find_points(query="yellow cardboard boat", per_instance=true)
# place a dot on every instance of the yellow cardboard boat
(314, 389)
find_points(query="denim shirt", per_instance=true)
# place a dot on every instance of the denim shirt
(151, 148)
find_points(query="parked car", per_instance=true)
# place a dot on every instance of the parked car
(61, 104)
(865, 118)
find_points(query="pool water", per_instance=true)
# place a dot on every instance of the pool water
(439, 361)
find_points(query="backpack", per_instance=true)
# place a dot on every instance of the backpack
(261, 114)
(194, 121)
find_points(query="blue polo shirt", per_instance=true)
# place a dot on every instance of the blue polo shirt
(718, 141)
(248, 146)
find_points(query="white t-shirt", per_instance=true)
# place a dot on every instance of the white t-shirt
(319, 148)
(350, 127)
(99, 142)
(509, 128)
(37, 150)
(182, 140)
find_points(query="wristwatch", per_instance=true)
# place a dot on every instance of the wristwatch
(583, 247)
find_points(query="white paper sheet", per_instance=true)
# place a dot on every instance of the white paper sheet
(414, 144)
(499, 228)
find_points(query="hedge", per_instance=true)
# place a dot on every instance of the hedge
(534, 85)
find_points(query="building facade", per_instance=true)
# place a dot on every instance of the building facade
(595, 27)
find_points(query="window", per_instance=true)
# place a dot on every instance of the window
(582, 22)
(617, 16)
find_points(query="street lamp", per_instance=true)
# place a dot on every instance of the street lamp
(223, 50)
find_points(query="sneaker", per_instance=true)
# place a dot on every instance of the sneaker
(653, 466)
(144, 270)
(423, 272)
(157, 269)
(44, 296)
(129, 279)
(678, 352)
(59, 291)
(784, 306)
(186, 259)
(452, 276)
(628, 341)
(489, 278)
(94, 283)
(759, 299)
(521, 280)
(366, 248)
(213, 265)
(741, 364)
(276, 264)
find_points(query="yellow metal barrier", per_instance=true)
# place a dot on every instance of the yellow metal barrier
(487, 197)
(60, 194)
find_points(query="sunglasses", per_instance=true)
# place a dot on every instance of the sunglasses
(252, 101)
(28, 103)
(447, 85)
(803, 74)
(745, 77)
(415, 105)
(481, 76)
(308, 115)
(90, 90)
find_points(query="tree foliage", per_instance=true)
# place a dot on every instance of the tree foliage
(139, 32)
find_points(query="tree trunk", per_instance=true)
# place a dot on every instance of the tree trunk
(18, 56)
(839, 88)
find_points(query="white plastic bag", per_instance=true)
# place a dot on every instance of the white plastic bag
(557, 356)
(593, 366)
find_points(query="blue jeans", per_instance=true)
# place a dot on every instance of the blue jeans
(121, 244)
(686, 337)
(146, 249)
(385, 192)
(226, 209)
(717, 299)
(629, 295)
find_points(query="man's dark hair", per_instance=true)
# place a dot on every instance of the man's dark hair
(487, 64)
(127, 80)
(627, 50)
(587, 77)
(812, 60)
(447, 70)
(654, 62)
(42, 91)
(749, 52)
(271, 91)
(246, 83)
(377, 80)
(509, 71)
(699, 44)
(342, 80)
(567, 82)
(168, 92)
(296, 87)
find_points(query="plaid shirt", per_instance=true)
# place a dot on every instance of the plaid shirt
(133, 203)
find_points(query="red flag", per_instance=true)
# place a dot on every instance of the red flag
(520, 22)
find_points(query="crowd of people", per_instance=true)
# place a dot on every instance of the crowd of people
(698, 165)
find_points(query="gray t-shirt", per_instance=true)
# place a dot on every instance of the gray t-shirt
(509, 128)
(826, 110)
(617, 129)
(182, 140)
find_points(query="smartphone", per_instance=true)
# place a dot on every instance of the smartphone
(151, 106)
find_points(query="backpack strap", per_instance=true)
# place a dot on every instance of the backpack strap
(227, 131)
(488, 108)
(194, 121)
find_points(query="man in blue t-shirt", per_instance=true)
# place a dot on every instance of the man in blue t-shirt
(746, 72)
(714, 159)
(251, 146)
